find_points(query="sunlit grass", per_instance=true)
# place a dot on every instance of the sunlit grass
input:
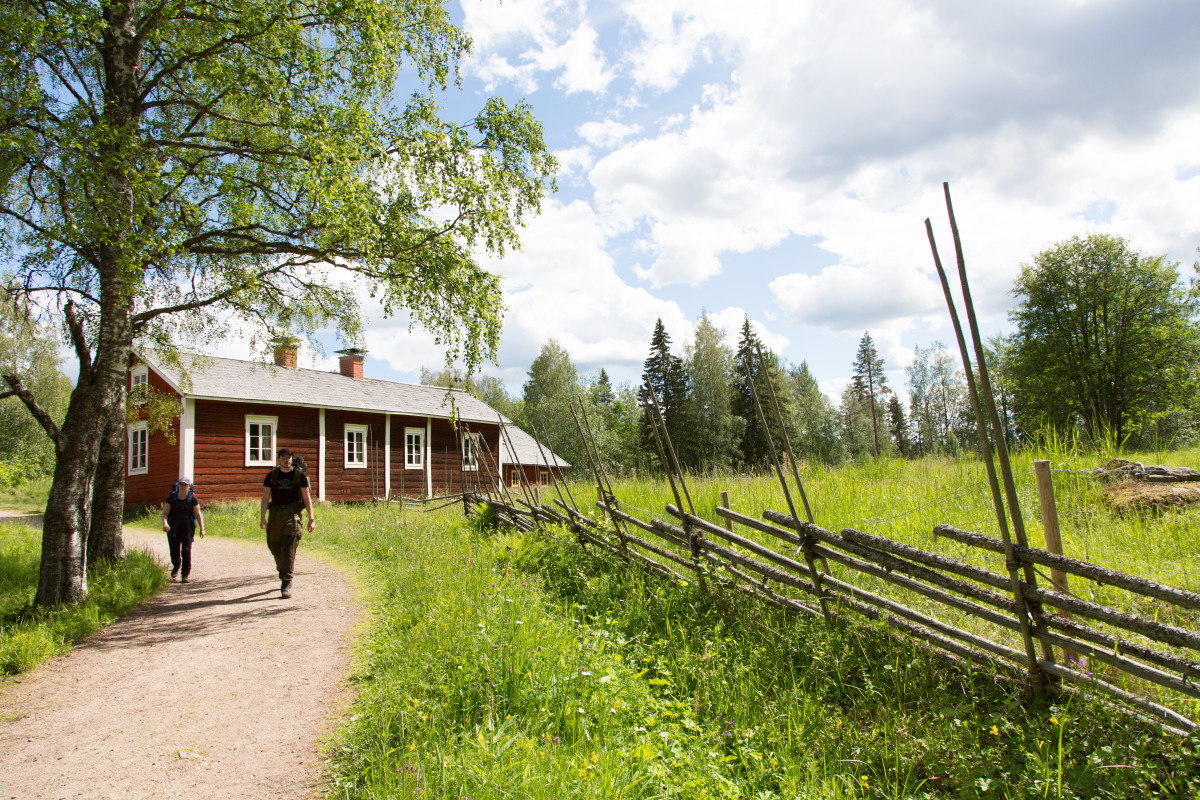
(501, 665)
(30, 635)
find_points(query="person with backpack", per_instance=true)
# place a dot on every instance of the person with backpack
(180, 516)
(285, 494)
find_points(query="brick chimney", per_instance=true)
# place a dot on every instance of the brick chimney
(285, 355)
(351, 362)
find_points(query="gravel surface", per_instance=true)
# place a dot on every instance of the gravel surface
(215, 688)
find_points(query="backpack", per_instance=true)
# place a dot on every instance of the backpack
(191, 495)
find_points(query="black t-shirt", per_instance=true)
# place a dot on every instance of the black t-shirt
(285, 486)
(181, 509)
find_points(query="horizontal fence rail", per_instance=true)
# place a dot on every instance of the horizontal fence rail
(1106, 651)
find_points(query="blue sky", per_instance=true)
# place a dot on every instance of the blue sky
(778, 158)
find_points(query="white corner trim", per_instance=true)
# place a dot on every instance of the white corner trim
(429, 456)
(387, 456)
(187, 437)
(321, 454)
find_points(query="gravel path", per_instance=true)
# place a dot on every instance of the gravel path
(212, 689)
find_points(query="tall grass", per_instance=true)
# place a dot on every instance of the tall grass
(30, 635)
(500, 665)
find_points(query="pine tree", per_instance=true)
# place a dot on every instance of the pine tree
(869, 382)
(755, 447)
(898, 426)
(663, 374)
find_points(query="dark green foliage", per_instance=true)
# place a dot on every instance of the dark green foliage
(709, 364)
(28, 349)
(665, 382)
(898, 426)
(756, 451)
(552, 388)
(1106, 339)
(818, 432)
(869, 385)
(487, 388)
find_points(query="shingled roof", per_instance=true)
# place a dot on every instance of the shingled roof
(206, 377)
(527, 452)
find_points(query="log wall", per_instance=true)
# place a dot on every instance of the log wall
(162, 461)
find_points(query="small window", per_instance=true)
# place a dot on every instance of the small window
(139, 449)
(139, 383)
(414, 448)
(543, 478)
(514, 479)
(260, 441)
(470, 448)
(356, 447)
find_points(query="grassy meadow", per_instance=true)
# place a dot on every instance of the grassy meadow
(506, 665)
(30, 635)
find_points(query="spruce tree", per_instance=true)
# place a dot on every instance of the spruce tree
(869, 382)
(898, 425)
(663, 373)
(755, 447)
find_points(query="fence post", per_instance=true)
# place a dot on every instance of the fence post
(725, 503)
(1045, 485)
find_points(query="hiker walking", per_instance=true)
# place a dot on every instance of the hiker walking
(285, 494)
(180, 517)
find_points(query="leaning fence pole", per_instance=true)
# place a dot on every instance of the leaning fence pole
(1058, 578)
(787, 440)
(787, 443)
(530, 495)
(551, 468)
(603, 488)
(989, 399)
(1035, 671)
(566, 486)
(656, 420)
(806, 548)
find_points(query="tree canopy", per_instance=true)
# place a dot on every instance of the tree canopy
(168, 169)
(1106, 338)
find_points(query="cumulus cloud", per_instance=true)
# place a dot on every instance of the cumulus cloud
(607, 133)
(846, 297)
(563, 285)
(520, 41)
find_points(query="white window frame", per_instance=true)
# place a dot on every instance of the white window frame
(470, 451)
(514, 479)
(139, 376)
(544, 477)
(358, 431)
(138, 458)
(266, 455)
(419, 462)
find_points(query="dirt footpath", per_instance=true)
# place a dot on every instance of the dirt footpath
(215, 688)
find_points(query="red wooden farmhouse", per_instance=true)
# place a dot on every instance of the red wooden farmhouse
(360, 438)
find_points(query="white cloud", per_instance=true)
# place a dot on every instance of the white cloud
(846, 297)
(607, 133)
(520, 40)
(730, 320)
(562, 285)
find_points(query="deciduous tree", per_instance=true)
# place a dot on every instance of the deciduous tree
(169, 167)
(1105, 338)
(709, 364)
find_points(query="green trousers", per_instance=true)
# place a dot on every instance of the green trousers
(285, 526)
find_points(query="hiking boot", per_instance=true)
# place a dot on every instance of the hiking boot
(174, 573)
(184, 579)
(285, 591)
